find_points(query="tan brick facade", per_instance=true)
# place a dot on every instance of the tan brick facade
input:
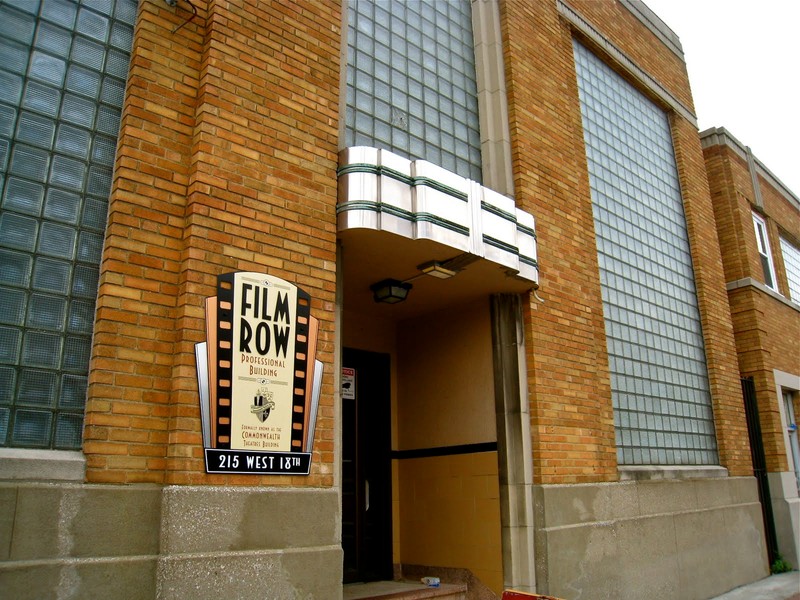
(570, 389)
(227, 162)
(767, 327)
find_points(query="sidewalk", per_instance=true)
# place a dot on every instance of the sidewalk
(785, 586)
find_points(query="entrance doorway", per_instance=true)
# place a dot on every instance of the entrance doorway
(366, 467)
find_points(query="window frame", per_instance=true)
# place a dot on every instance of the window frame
(765, 252)
(791, 258)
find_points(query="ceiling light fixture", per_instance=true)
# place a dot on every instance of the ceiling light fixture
(436, 269)
(390, 291)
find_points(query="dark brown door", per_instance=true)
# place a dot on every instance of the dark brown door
(366, 468)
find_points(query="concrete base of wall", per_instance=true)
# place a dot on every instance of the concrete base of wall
(689, 539)
(786, 513)
(85, 541)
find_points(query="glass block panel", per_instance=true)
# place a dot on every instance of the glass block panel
(53, 39)
(23, 196)
(15, 268)
(69, 431)
(8, 117)
(79, 111)
(37, 388)
(10, 87)
(57, 240)
(74, 141)
(125, 11)
(83, 81)
(655, 341)
(9, 345)
(103, 150)
(68, 173)
(13, 303)
(17, 231)
(16, 25)
(122, 36)
(51, 275)
(94, 214)
(113, 91)
(32, 428)
(73, 391)
(8, 379)
(392, 50)
(41, 98)
(62, 206)
(61, 12)
(5, 414)
(47, 68)
(84, 282)
(76, 353)
(46, 312)
(30, 163)
(81, 316)
(63, 65)
(28, 6)
(40, 349)
(93, 25)
(37, 130)
(117, 64)
(90, 247)
(99, 181)
(105, 7)
(88, 53)
(13, 56)
(108, 120)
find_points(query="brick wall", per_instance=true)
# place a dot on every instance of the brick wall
(767, 330)
(572, 415)
(226, 161)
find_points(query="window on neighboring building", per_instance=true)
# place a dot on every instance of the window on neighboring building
(656, 352)
(63, 66)
(791, 261)
(411, 81)
(762, 241)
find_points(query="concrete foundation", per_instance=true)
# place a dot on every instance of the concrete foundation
(83, 541)
(689, 539)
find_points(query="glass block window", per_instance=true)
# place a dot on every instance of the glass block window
(659, 378)
(411, 81)
(791, 262)
(63, 66)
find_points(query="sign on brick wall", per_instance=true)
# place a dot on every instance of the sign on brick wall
(258, 377)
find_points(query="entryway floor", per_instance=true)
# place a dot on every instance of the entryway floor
(402, 590)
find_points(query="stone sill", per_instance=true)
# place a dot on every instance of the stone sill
(664, 473)
(22, 464)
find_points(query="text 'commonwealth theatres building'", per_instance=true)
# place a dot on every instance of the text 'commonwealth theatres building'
(298, 294)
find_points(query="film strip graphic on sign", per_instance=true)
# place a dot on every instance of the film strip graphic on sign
(258, 376)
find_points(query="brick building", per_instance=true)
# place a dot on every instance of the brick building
(758, 223)
(556, 405)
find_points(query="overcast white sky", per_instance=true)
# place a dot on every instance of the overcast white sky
(743, 58)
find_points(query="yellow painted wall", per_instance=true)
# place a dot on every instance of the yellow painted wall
(445, 378)
(445, 510)
(450, 514)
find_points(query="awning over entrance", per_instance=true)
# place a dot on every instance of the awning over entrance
(396, 215)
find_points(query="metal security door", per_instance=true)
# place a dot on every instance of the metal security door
(366, 467)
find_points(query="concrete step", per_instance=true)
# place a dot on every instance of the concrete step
(403, 590)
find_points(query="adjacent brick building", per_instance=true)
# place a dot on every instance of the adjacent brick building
(558, 408)
(758, 222)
